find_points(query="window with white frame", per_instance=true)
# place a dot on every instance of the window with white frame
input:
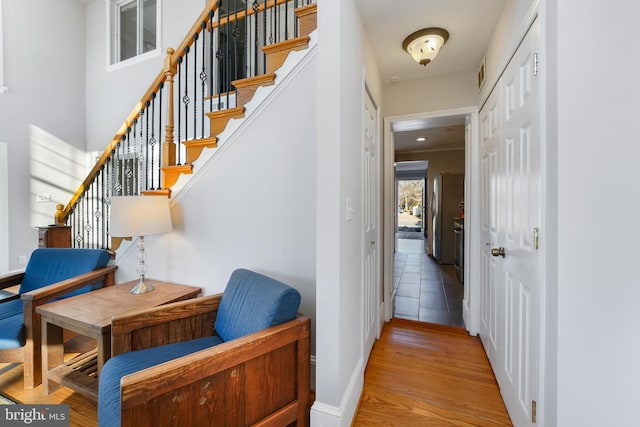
(134, 28)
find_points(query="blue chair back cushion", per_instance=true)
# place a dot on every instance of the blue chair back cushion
(51, 265)
(128, 363)
(253, 302)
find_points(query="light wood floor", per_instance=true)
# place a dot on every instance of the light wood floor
(82, 411)
(421, 374)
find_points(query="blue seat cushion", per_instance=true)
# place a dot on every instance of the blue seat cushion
(128, 363)
(12, 331)
(253, 302)
(51, 265)
(11, 320)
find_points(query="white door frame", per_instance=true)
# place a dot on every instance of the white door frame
(472, 185)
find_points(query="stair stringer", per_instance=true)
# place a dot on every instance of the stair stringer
(296, 62)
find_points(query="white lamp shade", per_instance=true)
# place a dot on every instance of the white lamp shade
(139, 215)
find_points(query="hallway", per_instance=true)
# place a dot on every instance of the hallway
(420, 374)
(425, 290)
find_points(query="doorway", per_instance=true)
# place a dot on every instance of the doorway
(442, 157)
(410, 196)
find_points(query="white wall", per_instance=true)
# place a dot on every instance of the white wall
(4, 209)
(597, 186)
(44, 71)
(253, 205)
(112, 92)
(442, 92)
(340, 368)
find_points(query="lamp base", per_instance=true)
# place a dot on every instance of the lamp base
(141, 287)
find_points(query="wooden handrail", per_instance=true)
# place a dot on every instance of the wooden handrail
(165, 77)
(212, 6)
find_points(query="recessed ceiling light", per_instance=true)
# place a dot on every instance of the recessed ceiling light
(421, 139)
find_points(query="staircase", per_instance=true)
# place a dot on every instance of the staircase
(206, 84)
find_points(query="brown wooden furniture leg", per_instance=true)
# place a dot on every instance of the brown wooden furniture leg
(104, 350)
(52, 353)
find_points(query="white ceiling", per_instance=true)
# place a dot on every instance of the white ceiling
(470, 24)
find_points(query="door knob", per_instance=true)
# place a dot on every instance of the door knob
(498, 251)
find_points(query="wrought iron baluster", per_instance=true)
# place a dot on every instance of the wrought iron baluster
(117, 186)
(103, 197)
(245, 42)
(152, 141)
(203, 76)
(87, 223)
(147, 159)
(195, 84)
(256, 42)
(137, 157)
(264, 36)
(160, 90)
(295, 20)
(179, 162)
(227, 65)
(127, 161)
(219, 58)
(107, 203)
(286, 20)
(94, 238)
(211, 14)
(272, 38)
(185, 98)
(235, 33)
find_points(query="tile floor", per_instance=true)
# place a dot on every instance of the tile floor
(425, 290)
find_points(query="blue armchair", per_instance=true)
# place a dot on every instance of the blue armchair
(232, 359)
(52, 273)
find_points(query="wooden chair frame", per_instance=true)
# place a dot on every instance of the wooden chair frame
(261, 379)
(31, 353)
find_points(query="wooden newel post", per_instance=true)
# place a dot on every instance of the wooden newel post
(169, 146)
(59, 216)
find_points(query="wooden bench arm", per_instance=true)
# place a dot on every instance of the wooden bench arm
(59, 289)
(165, 324)
(11, 279)
(139, 387)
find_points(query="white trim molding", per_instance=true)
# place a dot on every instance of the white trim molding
(3, 88)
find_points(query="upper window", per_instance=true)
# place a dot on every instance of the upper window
(134, 28)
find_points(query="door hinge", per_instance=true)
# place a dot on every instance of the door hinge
(534, 410)
(535, 64)
(535, 237)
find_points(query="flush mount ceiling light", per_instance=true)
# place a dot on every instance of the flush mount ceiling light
(424, 45)
(421, 139)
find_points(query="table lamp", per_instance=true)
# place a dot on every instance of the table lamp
(140, 216)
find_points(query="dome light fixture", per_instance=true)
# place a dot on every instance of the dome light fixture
(423, 45)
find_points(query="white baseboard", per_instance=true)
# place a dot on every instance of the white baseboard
(323, 415)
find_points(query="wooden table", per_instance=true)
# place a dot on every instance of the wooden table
(90, 315)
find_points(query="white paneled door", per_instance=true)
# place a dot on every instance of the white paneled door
(370, 191)
(510, 283)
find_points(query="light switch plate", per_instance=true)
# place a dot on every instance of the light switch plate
(348, 207)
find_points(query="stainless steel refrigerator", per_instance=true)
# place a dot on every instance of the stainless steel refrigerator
(448, 192)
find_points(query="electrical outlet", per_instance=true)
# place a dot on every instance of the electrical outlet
(22, 260)
(41, 197)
